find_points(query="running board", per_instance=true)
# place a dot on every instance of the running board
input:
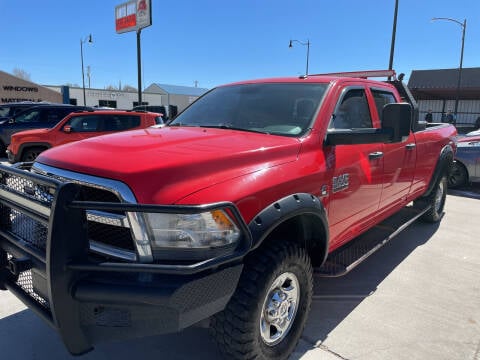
(341, 261)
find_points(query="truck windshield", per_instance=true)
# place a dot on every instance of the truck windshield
(275, 108)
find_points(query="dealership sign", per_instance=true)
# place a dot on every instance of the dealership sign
(133, 15)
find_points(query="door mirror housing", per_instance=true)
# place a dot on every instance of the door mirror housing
(67, 129)
(396, 125)
(397, 120)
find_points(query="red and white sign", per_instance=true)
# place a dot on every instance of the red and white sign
(133, 15)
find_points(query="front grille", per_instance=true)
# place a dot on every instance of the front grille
(30, 230)
(116, 236)
(95, 194)
(26, 283)
(103, 228)
(19, 224)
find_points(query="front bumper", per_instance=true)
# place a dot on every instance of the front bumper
(88, 300)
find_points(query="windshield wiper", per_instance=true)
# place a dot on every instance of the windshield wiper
(231, 127)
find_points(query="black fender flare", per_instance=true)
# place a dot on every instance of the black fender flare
(27, 145)
(443, 166)
(293, 206)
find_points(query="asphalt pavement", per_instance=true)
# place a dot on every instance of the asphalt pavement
(416, 298)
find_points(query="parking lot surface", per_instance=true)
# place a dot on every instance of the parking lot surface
(416, 298)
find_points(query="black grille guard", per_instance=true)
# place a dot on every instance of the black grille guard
(65, 258)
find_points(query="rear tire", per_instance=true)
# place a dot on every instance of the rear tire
(458, 176)
(436, 200)
(31, 154)
(266, 316)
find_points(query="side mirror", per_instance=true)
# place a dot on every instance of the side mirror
(67, 129)
(397, 120)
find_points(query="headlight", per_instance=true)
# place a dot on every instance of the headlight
(195, 236)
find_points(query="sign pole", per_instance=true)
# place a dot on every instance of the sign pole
(139, 65)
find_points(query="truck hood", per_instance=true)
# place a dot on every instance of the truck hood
(31, 132)
(162, 166)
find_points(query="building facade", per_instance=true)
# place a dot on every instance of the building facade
(14, 89)
(438, 91)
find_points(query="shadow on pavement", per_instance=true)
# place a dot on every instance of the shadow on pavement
(471, 191)
(336, 298)
(24, 336)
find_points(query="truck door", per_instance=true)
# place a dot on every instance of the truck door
(399, 158)
(357, 169)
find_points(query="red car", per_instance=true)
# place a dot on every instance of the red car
(26, 145)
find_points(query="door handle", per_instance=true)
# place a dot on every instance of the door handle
(375, 155)
(410, 146)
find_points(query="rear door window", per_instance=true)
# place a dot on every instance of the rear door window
(120, 122)
(84, 123)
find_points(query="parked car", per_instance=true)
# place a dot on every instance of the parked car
(26, 145)
(9, 110)
(35, 117)
(466, 167)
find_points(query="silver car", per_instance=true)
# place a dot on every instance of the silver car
(466, 167)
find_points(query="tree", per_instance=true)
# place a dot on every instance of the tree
(129, 88)
(22, 74)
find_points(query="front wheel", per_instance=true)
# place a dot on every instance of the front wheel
(266, 315)
(436, 201)
(31, 154)
(458, 176)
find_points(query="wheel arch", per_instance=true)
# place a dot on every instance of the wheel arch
(25, 146)
(443, 166)
(300, 217)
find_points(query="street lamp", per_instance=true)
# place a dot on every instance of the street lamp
(89, 40)
(307, 44)
(464, 26)
(394, 32)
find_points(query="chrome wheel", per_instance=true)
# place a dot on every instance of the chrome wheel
(279, 308)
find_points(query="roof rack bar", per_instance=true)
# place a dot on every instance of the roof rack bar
(362, 74)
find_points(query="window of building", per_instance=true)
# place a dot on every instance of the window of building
(73, 101)
(135, 103)
(107, 103)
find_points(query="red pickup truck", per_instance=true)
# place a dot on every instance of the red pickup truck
(222, 214)
(80, 125)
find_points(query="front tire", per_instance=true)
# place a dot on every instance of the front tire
(266, 315)
(458, 176)
(436, 201)
(31, 154)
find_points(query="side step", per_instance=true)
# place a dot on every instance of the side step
(347, 257)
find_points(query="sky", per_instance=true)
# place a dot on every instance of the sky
(213, 42)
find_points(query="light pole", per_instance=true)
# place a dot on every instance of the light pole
(307, 44)
(464, 26)
(394, 32)
(89, 40)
